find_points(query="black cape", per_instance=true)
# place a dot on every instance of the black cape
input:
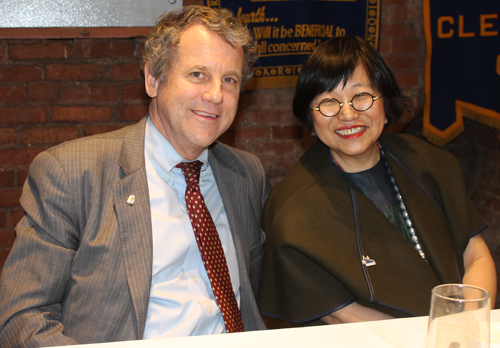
(319, 227)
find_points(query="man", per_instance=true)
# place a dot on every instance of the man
(106, 250)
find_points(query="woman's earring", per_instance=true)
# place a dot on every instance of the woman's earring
(313, 133)
(386, 120)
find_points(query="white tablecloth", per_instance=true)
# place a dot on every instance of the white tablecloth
(407, 333)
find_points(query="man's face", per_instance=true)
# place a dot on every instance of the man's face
(198, 100)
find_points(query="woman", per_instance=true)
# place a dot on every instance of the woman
(365, 224)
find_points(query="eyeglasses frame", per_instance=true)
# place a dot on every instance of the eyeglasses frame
(374, 98)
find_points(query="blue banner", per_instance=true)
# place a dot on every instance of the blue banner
(287, 31)
(462, 67)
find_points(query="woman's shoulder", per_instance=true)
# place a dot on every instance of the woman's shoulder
(306, 170)
(305, 175)
(423, 160)
(413, 148)
(406, 140)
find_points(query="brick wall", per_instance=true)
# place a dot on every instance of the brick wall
(56, 90)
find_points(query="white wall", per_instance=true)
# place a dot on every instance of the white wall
(83, 13)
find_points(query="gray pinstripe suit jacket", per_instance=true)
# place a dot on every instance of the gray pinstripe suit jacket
(80, 268)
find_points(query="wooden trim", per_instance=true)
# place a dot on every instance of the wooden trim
(74, 33)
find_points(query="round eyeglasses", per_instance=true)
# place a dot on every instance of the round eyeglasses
(330, 107)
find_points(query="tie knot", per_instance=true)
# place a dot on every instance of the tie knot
(191, 171)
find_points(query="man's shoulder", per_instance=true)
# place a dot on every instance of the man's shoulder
(230, 157)
(96, 143)
(94, 150)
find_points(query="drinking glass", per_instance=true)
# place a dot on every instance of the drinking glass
(459, 317)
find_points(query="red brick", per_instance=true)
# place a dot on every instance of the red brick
(41, 49)
(384, 46)
(42, 92)
(290, 132)
(387, 3)
(20, 73)
(255, 99)
(104, 49)
(7, 238)
(3, 218)
(239, 119)
(395, 30)
(275, 176)
(125, 72)
(18, 157)
(3, 50)
(7, 178)
(104, 93)
(228, 137)
(400, 63)
(139, 45)
(16, 215)
(134, 92)
(246, 146)
(415, 14)
(53, 135)
(420, 65)
(12, 94)
(277, 98)
(283, 164)
(283, 98)
(275, 150)
(81, 113)
(407, 45)
(244, 134)
(73, 93)
(406, 79)
(398, 14)
(99, 129)
(9, 197)
(76, 72)
(4, 252)
(24, 114)
(262, 117)
(133, 112)
(7, 136)
(267, 163)
(21, 176)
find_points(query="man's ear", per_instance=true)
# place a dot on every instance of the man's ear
(151, 83)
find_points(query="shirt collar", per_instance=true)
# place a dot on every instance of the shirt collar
(162, 153)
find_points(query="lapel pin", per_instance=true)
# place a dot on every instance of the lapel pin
(368, 262)
(131, 200)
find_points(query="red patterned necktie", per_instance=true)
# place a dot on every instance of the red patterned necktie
(210, 247)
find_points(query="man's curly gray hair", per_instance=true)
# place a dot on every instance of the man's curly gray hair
(161, 45)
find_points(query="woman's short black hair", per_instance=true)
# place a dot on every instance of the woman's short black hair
(333, 62)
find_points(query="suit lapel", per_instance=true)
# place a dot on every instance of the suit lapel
(243, 209)
(234, 193)
(134, 222)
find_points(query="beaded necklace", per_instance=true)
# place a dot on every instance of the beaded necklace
(404, 212)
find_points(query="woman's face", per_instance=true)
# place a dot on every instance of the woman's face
(351, 135)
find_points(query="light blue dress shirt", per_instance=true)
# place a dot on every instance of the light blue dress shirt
(181, 302)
